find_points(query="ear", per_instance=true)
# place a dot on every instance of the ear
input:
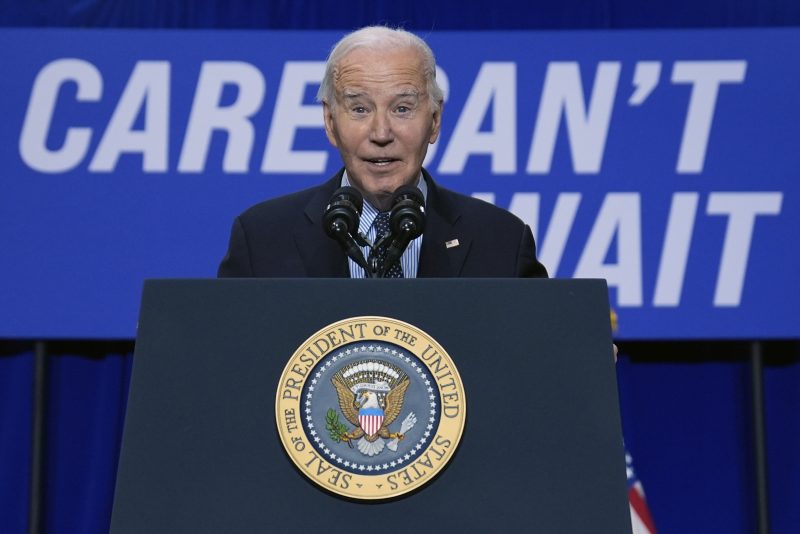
(330, 129)
(437, 123)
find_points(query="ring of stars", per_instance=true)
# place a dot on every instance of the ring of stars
(355, 466)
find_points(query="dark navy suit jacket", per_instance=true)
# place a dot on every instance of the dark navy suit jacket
(284, 237)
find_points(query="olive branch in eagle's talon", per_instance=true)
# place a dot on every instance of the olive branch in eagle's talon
(336, 428)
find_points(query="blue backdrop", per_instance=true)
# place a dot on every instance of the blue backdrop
(663, 162)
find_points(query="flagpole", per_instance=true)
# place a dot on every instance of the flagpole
(39, 400)
(759, 436)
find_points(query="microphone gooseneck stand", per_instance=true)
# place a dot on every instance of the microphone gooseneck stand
(340, 222)
(406, 223)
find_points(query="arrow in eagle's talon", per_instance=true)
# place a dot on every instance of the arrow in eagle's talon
(408, 423)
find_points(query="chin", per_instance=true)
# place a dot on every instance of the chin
(383, 185)
(382, 199)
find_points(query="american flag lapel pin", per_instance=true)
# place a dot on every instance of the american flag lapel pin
(451, 244)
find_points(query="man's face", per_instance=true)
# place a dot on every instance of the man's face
(382, 120)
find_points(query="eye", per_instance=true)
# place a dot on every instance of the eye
(359, 109)
(403, 109)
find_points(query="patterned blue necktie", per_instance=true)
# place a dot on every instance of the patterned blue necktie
(381, 229)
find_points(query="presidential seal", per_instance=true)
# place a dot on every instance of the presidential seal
(370, 408)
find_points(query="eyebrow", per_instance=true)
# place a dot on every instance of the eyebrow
(351, 95)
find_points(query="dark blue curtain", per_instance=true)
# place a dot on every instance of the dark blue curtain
(16, 393)
(782, 390)
(687, 421)
(419, 15)
(85, 396)
(687, 405)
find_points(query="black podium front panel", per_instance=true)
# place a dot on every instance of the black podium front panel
(541, 450)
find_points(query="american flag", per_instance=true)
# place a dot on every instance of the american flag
(641, 519)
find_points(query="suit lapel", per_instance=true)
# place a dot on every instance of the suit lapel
(444, 249)
(322, 256)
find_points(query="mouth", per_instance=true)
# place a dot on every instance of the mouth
(380, 162)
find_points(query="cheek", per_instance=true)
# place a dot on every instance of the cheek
(350, 138)
(422, 134)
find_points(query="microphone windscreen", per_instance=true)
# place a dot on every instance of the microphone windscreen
(344, 208)
(408, 212)
(408, 192)
(350, 194)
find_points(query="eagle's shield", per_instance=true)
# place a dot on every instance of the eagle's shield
(370, 420)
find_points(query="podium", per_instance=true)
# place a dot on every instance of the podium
(541, 450)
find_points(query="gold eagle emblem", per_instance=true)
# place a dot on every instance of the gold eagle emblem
(371, 396)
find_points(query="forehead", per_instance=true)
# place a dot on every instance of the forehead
(367, 69)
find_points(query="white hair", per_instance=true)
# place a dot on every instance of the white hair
(380, 38)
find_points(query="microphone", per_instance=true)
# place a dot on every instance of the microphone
(340, 222)
(406, 222)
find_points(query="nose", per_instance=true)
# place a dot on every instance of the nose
(381, 132)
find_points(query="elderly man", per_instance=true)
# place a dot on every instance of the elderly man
(382, 108)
